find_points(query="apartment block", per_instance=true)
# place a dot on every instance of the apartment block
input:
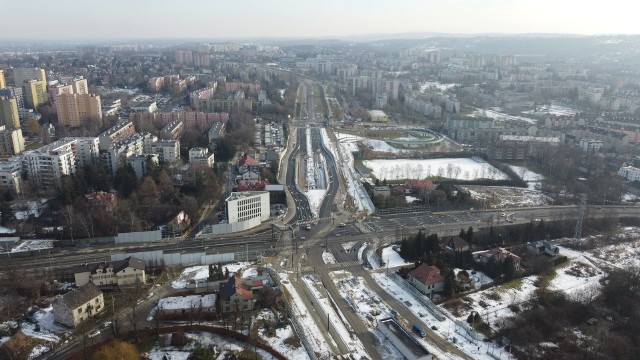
(11, 175)
(11, 141)
(15, 92)
(21, 75)
(9, 113)
(46, 165)
(141, 163)
(119, 131)
(173, 130)
(200, 157)
(76, 109)
(118, 152)
(168, 151)
(3, 82)
(35, 93)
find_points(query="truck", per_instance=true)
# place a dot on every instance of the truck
(418, 330)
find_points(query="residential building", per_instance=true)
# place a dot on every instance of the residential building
(9, 115)
(224, 105)
(15, 92)
(118, 132)
(3, 81)
(173, 130)
(11, 141)
(408, 346)
(143, 106)
(455, 243)
(46, 165)
(35, 94)
(543, 247)
(11, 175)
(87, 150)
(75, 86)
(179, 223)
(141, 163)
(76, 109)
(243, 206)
(427, 279)
(631, 173)
(118, 152)
(497, 254)
(591, 145)
(101, 200)
(168, 151)
(201, 157)
(125, 272)
(21, 75)
(216, 131)
(78, 305)
(191, 119)
(237, 294)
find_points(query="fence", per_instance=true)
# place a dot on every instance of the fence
(433, 309)
(231, 228)
(139, 237)
(403, 210)
(294, 321)
(158, 258)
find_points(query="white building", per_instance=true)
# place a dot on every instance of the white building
(11, 175)
(119, 131)
(117, 153)
(48, 164)
(200, 157)
(168, 150)
(591, 145)
(630, 173)
(243, 206)
(140, 163)
(78, 305)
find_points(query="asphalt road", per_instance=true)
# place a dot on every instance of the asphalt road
(303, 210)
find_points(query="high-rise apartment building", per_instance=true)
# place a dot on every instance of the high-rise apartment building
(75, 109)
(15, 92)
(20, 75)
(35, 93)
(11, 141)
(3, 81)
(9, 113)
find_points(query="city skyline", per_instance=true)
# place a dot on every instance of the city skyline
(329, 19)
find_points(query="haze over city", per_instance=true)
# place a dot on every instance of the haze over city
(120, 19)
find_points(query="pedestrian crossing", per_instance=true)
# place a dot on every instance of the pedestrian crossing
(343, 264)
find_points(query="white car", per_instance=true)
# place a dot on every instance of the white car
(95, 333)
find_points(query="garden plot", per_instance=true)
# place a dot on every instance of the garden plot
(447, 329)
(419, 169)
(339, 325)
(163, 349)
(299, 310)
(283, 340)
(501, 197)
(29, 245)
(623, 255)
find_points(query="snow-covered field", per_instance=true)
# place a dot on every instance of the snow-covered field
(497, 115)
(354, 185)
(164, 351)
(278, 340)
(188, 302)
(201, 272)
(501, 197)
(552, 110)
(452, 168)
(428, 85)
(373, 144)
(391, 258)
(22, 211)
(532, 178)
(49, 333)
(28, 245)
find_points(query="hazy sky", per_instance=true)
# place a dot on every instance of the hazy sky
(74, 19)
